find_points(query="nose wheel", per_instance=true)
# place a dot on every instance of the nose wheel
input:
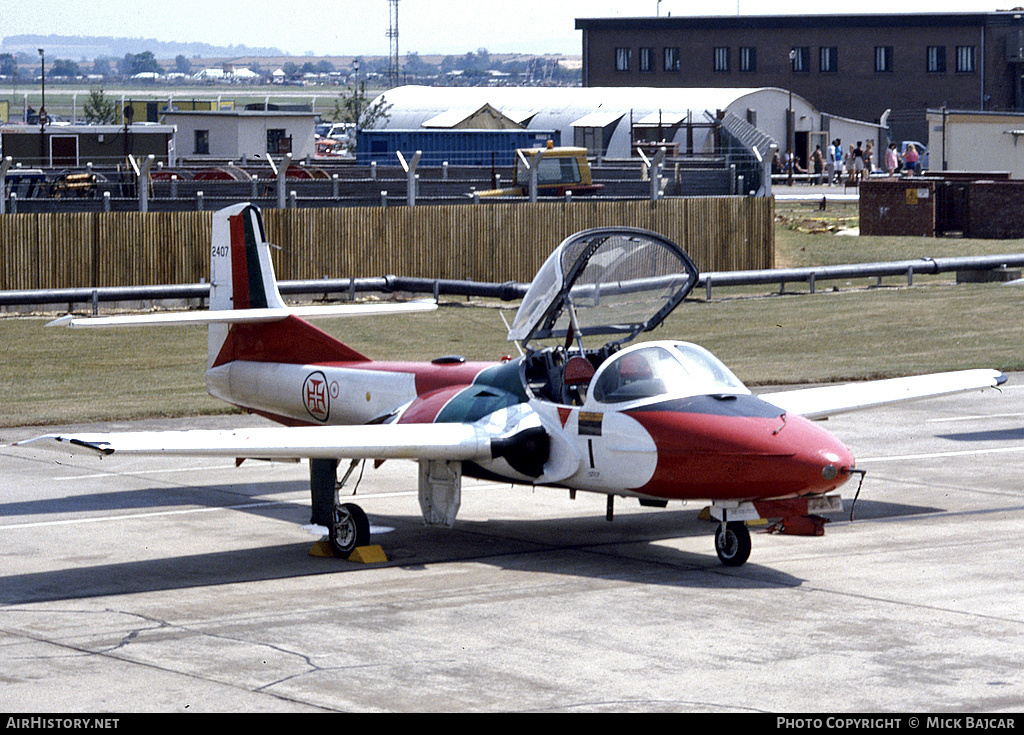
(349, 529)
(732, 542)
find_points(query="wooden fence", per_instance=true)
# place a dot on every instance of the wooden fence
(485, 242)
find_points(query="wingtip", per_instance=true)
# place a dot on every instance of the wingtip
(62, 321)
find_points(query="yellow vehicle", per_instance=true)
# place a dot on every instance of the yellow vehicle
(559, 170)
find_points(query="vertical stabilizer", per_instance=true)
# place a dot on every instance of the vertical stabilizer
(242, 278)
(241, 272)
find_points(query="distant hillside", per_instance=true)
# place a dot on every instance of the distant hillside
(76, 48)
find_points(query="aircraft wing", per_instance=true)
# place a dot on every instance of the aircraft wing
(829, 400)
(515, 434)
(377, 441)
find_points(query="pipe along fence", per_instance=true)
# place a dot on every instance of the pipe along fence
(511, 290)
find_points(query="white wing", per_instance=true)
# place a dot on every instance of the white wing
(377, 441)
(815, 403)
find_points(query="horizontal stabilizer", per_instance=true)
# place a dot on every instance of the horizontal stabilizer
(243, 316)
(829, 400)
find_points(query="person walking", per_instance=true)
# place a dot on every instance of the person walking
(830, 162)
(892, 160)
(910, 159)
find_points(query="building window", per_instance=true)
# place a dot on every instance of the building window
(965, 59)
(883, 58)
(936, 61)
(800, 56)
(622, 58)
(721, 58)
(672, 59)
(647, 59)
(828, 59)
(278, 141)
(202, 142)
(748, 59)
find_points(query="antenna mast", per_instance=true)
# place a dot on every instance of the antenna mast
(392, 34)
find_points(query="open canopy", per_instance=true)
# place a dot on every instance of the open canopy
(605, 281)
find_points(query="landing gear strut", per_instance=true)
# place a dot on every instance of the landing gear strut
(347, 524)
(732, 542)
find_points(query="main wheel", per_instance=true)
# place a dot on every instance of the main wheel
(732, 542)
(350, 528)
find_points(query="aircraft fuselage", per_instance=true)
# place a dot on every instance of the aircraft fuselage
(709, 447)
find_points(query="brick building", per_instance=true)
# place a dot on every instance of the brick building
(856, 66)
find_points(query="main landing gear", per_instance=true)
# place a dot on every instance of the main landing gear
(347, 525)
(732, 542)
(349, 529)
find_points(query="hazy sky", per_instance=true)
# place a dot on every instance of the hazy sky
(358, 27)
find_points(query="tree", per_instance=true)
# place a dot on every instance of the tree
(355, 107)
(145, 62)
(8, 65)
(65, 68)
(182, 65)
(101, 66)
(99, 108)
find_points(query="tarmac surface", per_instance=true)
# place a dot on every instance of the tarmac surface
(164, 585)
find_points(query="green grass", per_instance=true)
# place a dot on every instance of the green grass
(846, 331)
(797, 246)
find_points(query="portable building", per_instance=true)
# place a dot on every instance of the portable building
(242, 134)
(73, 146)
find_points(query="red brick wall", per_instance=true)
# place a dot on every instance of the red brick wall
(897, 207)
(996, 209)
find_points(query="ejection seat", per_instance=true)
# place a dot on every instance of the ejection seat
(576, 377)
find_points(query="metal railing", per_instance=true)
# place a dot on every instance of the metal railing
(511, 291)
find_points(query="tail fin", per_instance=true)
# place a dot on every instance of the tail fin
(242, 278)
(241, 272)
(248, 319)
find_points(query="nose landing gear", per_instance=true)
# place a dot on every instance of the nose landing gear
(732, 542)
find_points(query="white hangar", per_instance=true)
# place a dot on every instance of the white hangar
(608, 121)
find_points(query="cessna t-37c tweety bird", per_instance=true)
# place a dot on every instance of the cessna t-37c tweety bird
(659, 421)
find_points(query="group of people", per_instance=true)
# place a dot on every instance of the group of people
(857, 162)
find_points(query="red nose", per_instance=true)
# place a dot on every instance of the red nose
(719, 456)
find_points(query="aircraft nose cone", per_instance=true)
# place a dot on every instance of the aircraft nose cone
(825, 460)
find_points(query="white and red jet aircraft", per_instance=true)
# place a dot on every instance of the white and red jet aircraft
(658, 421)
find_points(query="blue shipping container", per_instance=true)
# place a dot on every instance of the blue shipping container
(455, 147)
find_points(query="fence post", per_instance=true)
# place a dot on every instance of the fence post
(143, 183)
(4, 165)
(410, 176)
(655, 171)
(282, 173)
(531, 168)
